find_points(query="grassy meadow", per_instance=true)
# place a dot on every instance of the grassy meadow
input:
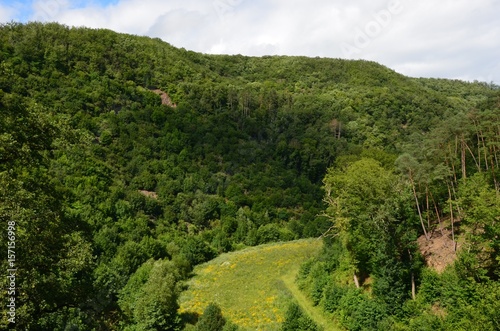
(252, 286)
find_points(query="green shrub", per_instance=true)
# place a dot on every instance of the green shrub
(212, 319)
(296, 320)
(358, 312)
(197, 251)
(332, 295)
(268, 233)
(426, 322)
(149, 300)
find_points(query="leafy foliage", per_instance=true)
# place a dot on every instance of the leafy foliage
(125, 161)
(212, 319)
(296, 320)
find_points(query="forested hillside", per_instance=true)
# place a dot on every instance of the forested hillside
(125, 162)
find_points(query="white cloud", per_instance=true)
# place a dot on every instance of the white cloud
(450, 38)
(6, 13)
(11, 11)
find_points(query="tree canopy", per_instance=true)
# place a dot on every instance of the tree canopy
(125, 161)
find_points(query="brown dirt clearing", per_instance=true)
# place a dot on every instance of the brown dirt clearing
(439, 251)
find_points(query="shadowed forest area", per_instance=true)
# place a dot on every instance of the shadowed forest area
(126, 162)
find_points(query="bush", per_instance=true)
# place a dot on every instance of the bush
(197, 251)
(268, 233)
(319, 278)
(359, 312)
(149, 299)
(426, 322)
(312, 278)
(296, 320)
(212, 319)
(230, 327)
(332, 295)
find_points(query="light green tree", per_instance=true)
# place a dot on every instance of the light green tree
(355, 195)
(149, 299)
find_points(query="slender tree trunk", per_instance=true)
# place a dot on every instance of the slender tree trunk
(462, 157)
(448, 163)
(485, 150)
(451, 218)
(356, 281)
(437, 214)
(459, 210)
(478, 165)
(413, 289)
(418, 207)
(478, 132)
(427, 206)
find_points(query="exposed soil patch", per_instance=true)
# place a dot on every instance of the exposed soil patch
(165, 98)
(438, 310)
(439, 251)
(149, 194)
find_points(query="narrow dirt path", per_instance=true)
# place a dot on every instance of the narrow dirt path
(314, 313)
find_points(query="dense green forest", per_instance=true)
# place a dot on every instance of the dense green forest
(125, 162)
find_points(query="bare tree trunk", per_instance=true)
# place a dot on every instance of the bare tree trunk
(478, 134)
(485, 150)
(413, 290)
(427, 206)
(437, 213)
(462, 157)
(478, 165)
(418, 207)
(451, 218)
(459, 210)
(448, 163)
(356, 281)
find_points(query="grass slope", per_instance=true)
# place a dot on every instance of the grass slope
(253, 286)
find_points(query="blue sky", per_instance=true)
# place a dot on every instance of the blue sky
(457, 39)
(24, 10)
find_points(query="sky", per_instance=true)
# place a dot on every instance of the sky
(455, 39)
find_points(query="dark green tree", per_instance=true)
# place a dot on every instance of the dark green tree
(297, 320)
(212, 319)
